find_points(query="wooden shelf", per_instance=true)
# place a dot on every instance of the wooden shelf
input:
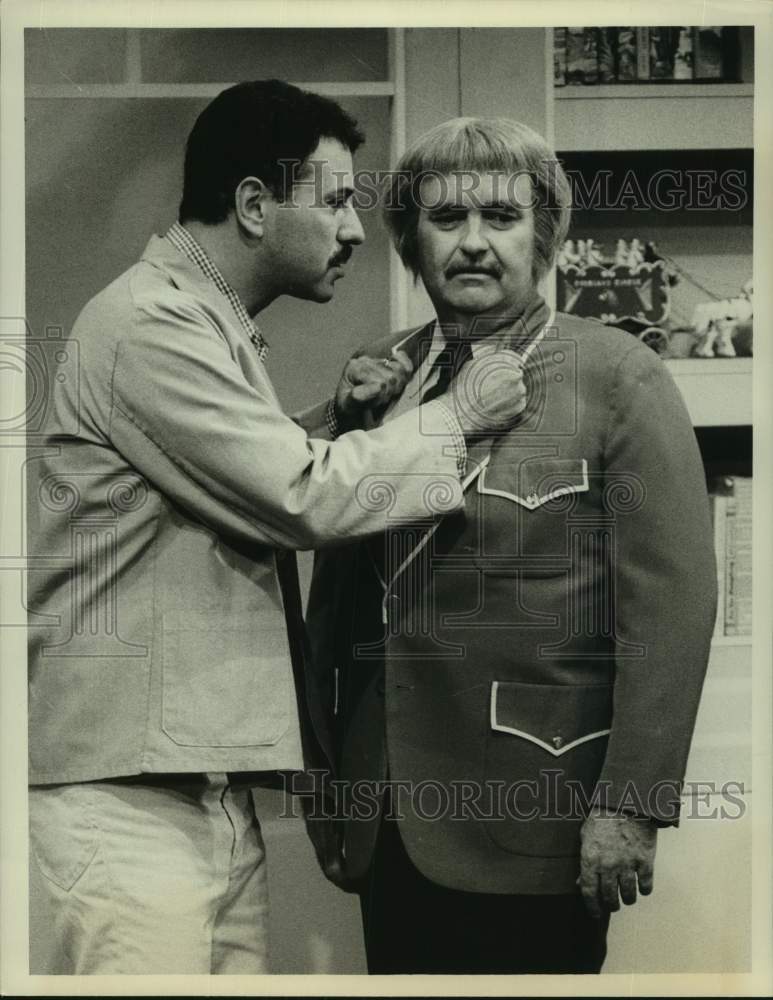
(614, 91)
(732, 640)
(717, 391)
(655, 116)
(365, 88)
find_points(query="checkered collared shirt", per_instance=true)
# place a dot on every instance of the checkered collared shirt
(179, 237)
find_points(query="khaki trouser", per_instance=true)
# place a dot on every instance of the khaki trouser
(164, 874)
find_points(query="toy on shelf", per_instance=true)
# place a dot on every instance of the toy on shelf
(717, 324)
(629, 289)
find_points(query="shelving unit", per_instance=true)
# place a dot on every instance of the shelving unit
(731, 641)
(717, 391)
(635, 125)
(153, 82)
(652, 116)
(70, 91)
(635, 91)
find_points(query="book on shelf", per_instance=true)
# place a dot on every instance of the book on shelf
(559, 57)
(642, 53)
(625, 55)
(582, 63)
(731, 511)
(662, 53)
(645, 54)
(709, 53)
(607, 52)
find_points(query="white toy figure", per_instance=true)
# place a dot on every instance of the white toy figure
(714, 323)
(567, 255)
(635, 254)
(621, 254)
(593, 256)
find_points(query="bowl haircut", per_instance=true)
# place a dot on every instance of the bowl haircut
(458, 151)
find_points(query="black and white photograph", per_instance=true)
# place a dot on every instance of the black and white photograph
(385, 438)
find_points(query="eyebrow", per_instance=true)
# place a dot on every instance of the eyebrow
(339, 194)
(488, 206)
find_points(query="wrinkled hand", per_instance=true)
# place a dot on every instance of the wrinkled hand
(616, 850)
(370, 384)
(488, 394)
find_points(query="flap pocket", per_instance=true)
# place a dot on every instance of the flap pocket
(555, 717)
(534, 481)
(547, 744)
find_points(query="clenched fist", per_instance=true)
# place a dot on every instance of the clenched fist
(488, 394)
(369, 385)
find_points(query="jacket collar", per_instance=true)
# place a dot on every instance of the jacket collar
(187, 276)
(521, 336)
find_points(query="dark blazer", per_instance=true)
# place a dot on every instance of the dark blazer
(545, 644)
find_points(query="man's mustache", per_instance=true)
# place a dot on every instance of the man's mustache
(341, 257)
(455, 269)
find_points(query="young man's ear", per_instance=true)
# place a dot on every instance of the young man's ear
(250, 203)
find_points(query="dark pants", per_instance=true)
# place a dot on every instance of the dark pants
(412, 925)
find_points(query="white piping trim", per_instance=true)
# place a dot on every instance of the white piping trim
(475, 472)
(533, 343)
(407, 337)
(500, 728)
(429, 533)
(538, 501)
(521, 354)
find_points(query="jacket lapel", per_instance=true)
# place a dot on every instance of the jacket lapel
(414, 344)
(480, 463)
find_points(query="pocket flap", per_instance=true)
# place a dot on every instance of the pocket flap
(555, 717)
(535, 481)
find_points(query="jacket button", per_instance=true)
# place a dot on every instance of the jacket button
(558, 742)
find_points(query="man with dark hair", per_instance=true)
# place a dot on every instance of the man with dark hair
(285, 125)
(167, 661)
(525, 672)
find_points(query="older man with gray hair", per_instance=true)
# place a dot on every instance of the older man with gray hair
(517, 683)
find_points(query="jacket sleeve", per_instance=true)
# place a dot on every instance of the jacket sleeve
(184, 415)
(664, 586)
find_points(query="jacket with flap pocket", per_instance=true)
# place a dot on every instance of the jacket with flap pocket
(547, 743)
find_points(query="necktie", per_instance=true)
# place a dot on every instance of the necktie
(448, 362)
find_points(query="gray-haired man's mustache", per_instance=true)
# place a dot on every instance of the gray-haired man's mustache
(471, 269)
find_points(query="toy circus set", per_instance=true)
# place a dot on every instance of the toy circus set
(632, 289)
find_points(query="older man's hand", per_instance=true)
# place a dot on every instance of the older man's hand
(368, 385)
(616, 852)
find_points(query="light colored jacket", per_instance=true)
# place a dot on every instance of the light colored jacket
(169, 483)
